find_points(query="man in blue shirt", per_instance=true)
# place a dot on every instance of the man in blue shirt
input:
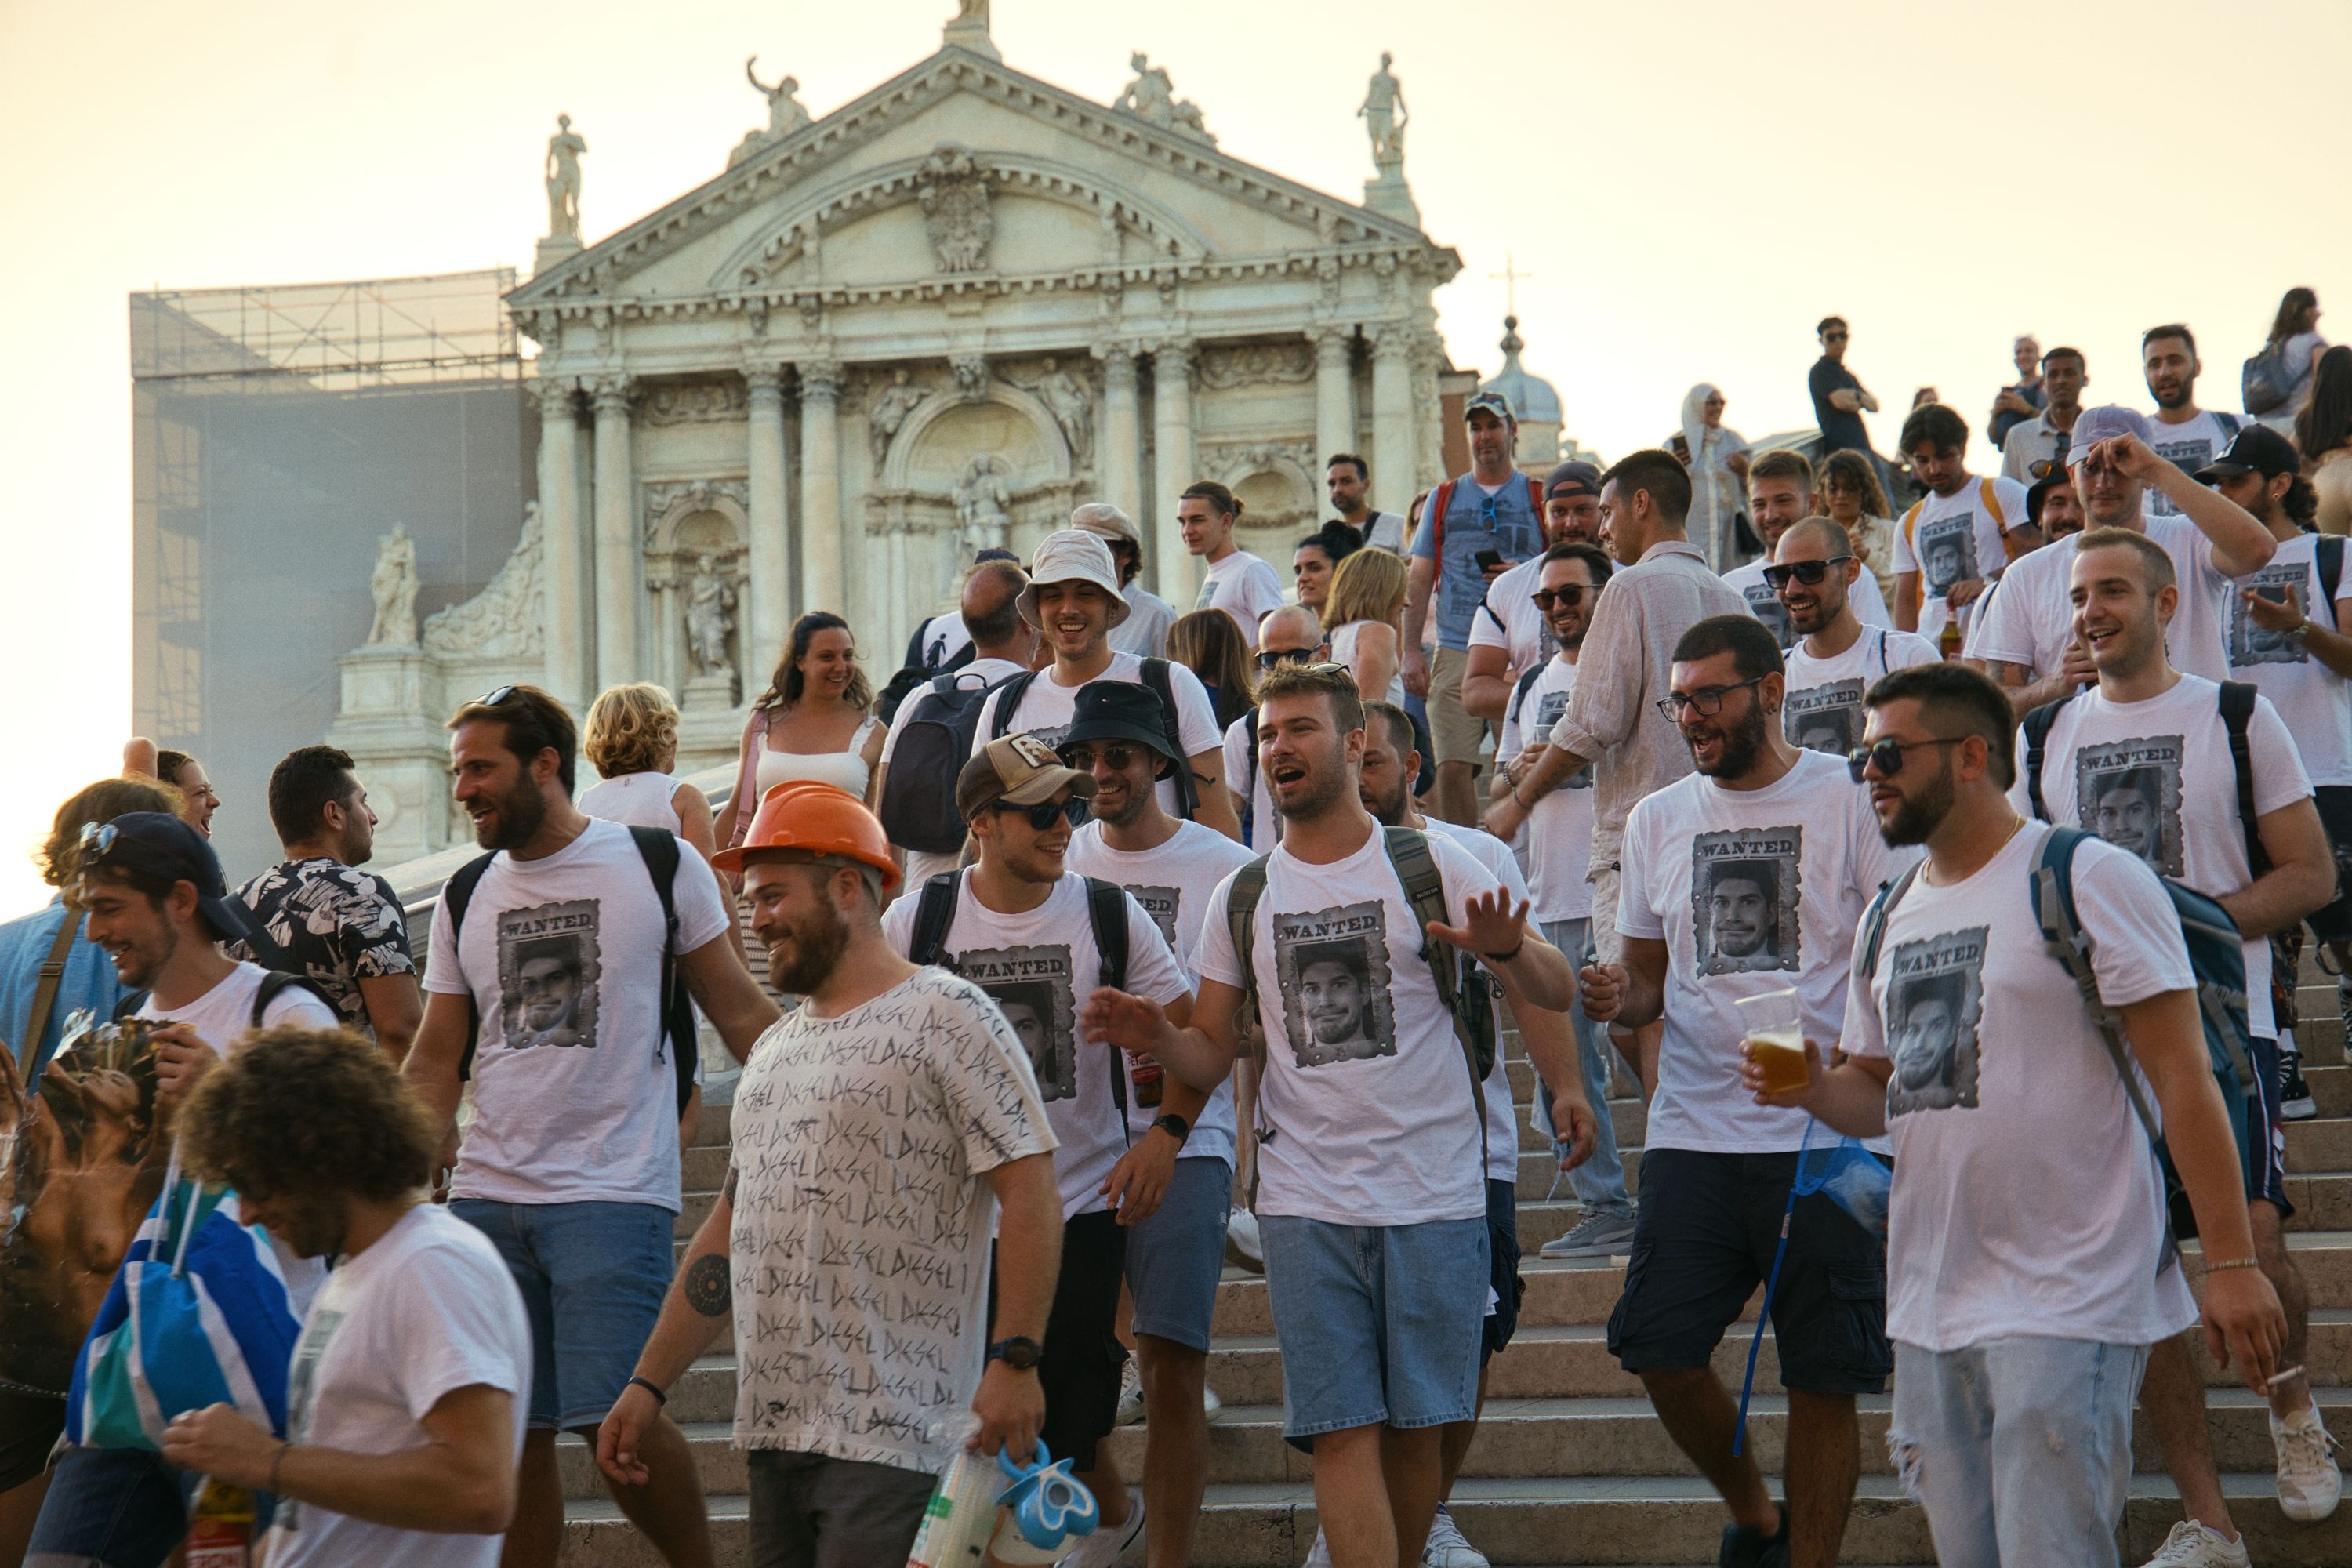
(1476, 527)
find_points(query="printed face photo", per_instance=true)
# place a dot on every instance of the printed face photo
(1924, 1039)
(1334, 975)
(2128, 793)
(1741, 915)
(1030, 986)
(1944, 562)
(1744, 904)
(1332, 992)
(1030, 1010)
(1933, 1008)
(549, 983)
(549, 965)
(2125, 812)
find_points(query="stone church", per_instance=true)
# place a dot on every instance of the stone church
(929, 322)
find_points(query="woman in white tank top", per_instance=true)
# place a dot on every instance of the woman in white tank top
(816, 722)
(1366, 598)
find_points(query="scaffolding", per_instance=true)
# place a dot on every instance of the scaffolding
(330, 337)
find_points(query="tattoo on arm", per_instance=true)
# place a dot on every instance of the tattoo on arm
(709, 1289)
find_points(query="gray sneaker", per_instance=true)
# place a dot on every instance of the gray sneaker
(1595, 1236)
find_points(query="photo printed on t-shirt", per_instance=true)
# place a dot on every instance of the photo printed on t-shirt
(1948, 550)
(1766, 606)
(2250, 642)
(1549, 708)
(301, 1396)
(1160, 904)
(1334, 968)
(1031, 986)
(549, 968)
(1825, 718)
(2189, 457)
(1934, 1000)
(2128, 793)
(1744, 886)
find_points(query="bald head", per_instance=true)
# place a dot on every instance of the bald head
(1822, 541)
(1288, 629)
(991, 610)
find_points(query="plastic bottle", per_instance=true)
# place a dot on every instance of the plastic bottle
(220, 1531)
(962, 1514)
(1149, 1077)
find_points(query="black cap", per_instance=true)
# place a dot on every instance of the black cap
(2255, 449)
(1572, 479)
(1119, 711)
(2038, 497)
(157, 844)
(994, 553)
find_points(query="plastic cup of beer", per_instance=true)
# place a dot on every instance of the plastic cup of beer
(1773, 1026)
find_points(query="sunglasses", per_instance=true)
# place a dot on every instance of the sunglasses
(496, 698)
(1082, 757)
(1706, 701)
(1886, 756)
(1270, 658)
(97, 839)
(1045, 813)
(1569, 593)
(1809, 572)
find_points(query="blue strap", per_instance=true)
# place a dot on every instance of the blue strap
(1772, 1283)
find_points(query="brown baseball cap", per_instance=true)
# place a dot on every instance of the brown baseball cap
(1016, 770)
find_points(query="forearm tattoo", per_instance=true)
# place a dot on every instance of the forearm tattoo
(708, 1288)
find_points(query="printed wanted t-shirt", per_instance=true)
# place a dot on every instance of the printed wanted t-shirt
(574, 1093)
(1954, 539)
(2027, 1201)
(1039, 967)
(2156, 778)
(1172, 882)
(430, 1308)
(1560, 828)
(1823, 711)
(1764, 605)
(1245, 588)
(2032, 619)
(1752, 890)
(2189, 446)
(1047, 709)
(1365, 1085)
(2316, 702)
(1502, 1121)
(862, 1225)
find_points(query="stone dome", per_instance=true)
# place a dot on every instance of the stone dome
(1531, 397)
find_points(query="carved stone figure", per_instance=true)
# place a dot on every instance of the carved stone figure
(1384, 115)
(955, 208)
(1061, 393)
(508, 618)
(394, 586)
(972, 375)
(709, 616)
(891, 406)
(1152, 96)
(563, 150)
(981, 497)
(785, 114)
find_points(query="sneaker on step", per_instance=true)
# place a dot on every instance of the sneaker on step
(1106, 1547)
(2309, 1484)
(1594, 1235)
(1446, 1549)
(2193, 1545)
(1320, 1554)
(1244, 1247)
(1130, 1395)
(2296, 1102)
(1745, 1546)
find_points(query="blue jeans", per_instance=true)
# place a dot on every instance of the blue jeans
(2018, 1449)
(1600, 1183)
(112, 1508)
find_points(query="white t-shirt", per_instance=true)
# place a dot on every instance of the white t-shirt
(942, 637)
(860, 1243)
(2191, 445)
(1507, 618)
(1384, 530)
(1502, 1123)
(2156, 778)
(1953, 539)
(2316, 702)
(642, 800)
(430, 1308)
(1039, 967)
(1144, 633)
(1824, 708)
(2029, 1203)
(1764, 605)
(1245, 586)
(1173, 883)
(1752, 890)
(1365, 1084)
(1046, 708)
(1560, 828)
(1262, 824)
(574, 1093)
(2032, 619)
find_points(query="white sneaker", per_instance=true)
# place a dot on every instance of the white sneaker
(1244, 1247)
(1210, 1402)
(2193, 1545)
(1595, 1236)
(2309, 1484)
(1106, 1547)
(1446, 1549)
(1130, 1395)
(1320, 1554)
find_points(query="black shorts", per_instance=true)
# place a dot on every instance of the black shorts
(1079, 1372)
(2332, 922)
(1704, 1237)
(1503, 1268)
(30, 1426)
(2262, 1143)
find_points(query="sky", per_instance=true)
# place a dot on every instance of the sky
(1686, 188)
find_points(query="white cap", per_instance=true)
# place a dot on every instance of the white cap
(1073, 555)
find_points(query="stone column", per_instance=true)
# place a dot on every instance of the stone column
(767, 590)
(620, 560)
(1118, 449)
(822, 585)
(1395, 452)
(571, 613)
(1171, 403)
(1335, 393)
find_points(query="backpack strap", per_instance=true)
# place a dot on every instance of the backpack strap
(44, 994)
(455, 894)
(2037, 725)
(276, 983)
(1432, 517)
(2327, 555)
(1008, 697)
(1872, 933)
(1241, 897)
(1527, 682)
(658, 848)
(1107, 913)
(1991, 498)
(1882, 670)
(933, 916)
(1464, 995)
(2231, 425)
(128, 1005)
(1162, 684)
(2238, 712)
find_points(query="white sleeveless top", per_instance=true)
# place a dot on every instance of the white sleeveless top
(1343, 651)
(640, 800)
(843, 769)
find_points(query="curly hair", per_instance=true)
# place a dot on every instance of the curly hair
(299, 1109)
(101, 802)
(1851, 467)
(630, 728)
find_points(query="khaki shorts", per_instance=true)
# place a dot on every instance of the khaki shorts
(1606, 940)
(1457, 732)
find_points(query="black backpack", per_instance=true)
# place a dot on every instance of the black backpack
(659, 849)
(912, 676)
(1161, 683)
(919, 805)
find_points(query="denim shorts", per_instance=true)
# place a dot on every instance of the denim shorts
(593, 1276)
(116, 1508)
(1379, 1325)
(1174, 1257)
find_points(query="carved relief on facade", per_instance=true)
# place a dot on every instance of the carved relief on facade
(893, 400)
(703, 400)
(954, 194)
(1273, 479)
(1225, 366)
(505, 620)
(697, 533)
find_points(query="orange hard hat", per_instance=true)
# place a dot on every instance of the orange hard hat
(816, 819)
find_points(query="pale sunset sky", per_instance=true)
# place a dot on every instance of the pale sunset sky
(1688, 186)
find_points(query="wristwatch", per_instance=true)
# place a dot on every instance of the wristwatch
(1020, 1353)
(1175, 1126)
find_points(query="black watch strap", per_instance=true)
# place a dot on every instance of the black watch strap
(1020, 1353)
(1175, 1126)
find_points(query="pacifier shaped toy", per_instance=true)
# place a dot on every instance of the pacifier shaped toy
(1046, 1510)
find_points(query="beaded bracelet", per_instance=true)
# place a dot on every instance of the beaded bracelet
(2213, 1263)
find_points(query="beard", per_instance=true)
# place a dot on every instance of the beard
(519, 815)
(1742, 743)
(1323, 789)
(812, 947)
(1919, 816)
(1389, 811)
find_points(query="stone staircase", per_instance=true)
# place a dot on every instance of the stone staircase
(1570, 1465)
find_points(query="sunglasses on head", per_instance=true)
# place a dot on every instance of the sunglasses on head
(1886, 756)
(1809, 572)
(1274, 658)
(497, 698)
(97, 839)
(1045, 813)
(1569, 593)
(1082, 756)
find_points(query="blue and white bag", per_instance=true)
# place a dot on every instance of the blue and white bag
(197, 1315)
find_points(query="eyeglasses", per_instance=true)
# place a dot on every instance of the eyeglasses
(1706, 701)
(1045, 813)
(1082, 757)
(1274, 658)
(1833, 337)
(1886, 756)
(97, 839)
(1569, 593)
(1809, 572)
(497, 698)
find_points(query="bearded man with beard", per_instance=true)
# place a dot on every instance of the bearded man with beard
(1750, 877)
